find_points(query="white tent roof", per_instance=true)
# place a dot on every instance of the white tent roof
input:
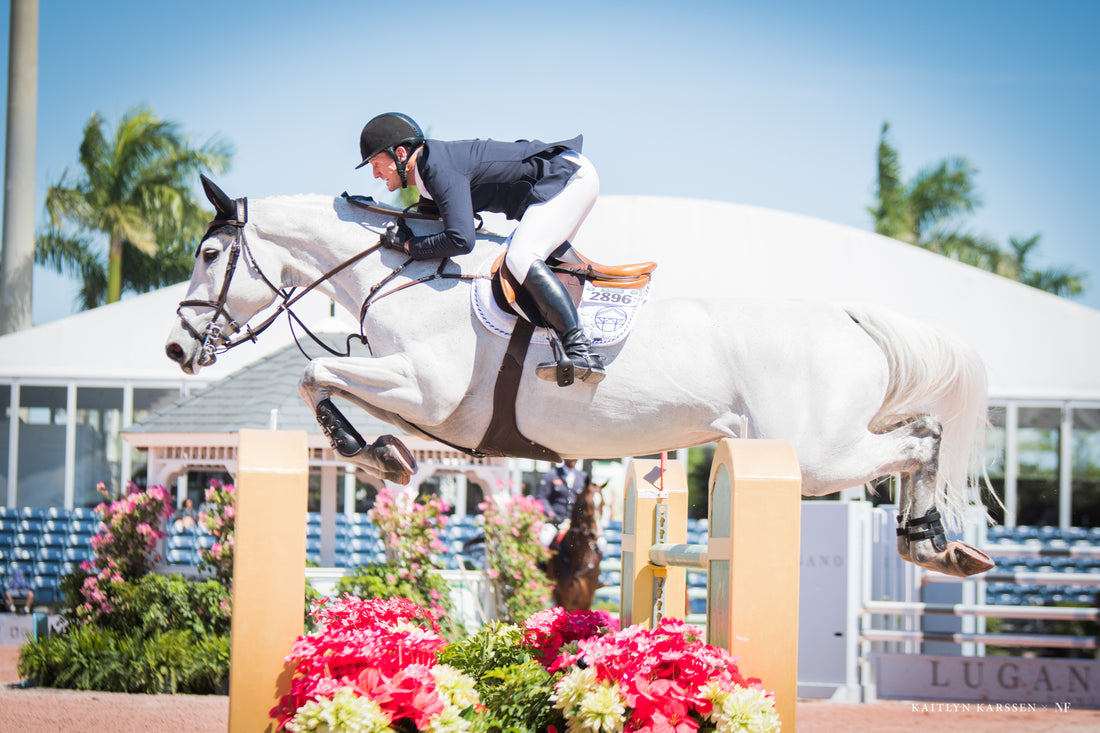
(125, 340)
(1035, 345)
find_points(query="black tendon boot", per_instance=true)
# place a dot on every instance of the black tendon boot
(557, 309)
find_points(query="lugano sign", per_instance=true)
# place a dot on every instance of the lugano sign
(1040, 682)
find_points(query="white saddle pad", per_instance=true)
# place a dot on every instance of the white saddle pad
(607, 314)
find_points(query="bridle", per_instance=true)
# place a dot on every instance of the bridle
(213, 336)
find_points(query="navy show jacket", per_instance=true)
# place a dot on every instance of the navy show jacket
(466, 176)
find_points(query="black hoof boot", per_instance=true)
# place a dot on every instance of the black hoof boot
(345, 439)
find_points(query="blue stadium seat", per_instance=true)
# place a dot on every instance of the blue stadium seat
(78, 540)
(43, 568)
(51, 554)
(1024, 533)
(77, 554)
(7, 539)
(181, 556)
(8, 513)
(313, 545)
(45, 590)
(362, 544)
(30, 526)
(615, 524)
(1047, 532)
(32, 512)
(58, 512)
(181, 542)
(365, 558)
(86, 514)
(48, 539)
(23, 553)
(9, 524)
(56, 526)
(363, 530)
(84, 526)
(1075, 534)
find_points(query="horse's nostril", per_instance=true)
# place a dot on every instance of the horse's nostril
(174, 352)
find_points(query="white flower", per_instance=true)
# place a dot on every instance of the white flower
(449, 721)
(742, 709)
(600, 710)
(572, 687)
(454, 686)
(345, 712)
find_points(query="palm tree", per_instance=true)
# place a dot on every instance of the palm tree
(1064, 281)
(927, 212)
(922, 211)
(134, 189)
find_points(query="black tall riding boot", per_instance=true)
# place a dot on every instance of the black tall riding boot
(557, 310)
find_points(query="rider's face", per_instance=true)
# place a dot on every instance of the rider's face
(386, 169)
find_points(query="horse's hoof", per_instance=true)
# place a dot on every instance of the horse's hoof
(969, 560)
(397, 461)
(960, 560)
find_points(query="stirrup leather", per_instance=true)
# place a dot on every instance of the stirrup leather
(934, 531)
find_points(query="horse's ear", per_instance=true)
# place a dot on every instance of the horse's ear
(224, 208)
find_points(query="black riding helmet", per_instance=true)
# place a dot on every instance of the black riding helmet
(387, 132)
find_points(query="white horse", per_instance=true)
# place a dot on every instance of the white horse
(859, 391)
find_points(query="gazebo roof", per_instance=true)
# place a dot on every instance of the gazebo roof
(246, 399)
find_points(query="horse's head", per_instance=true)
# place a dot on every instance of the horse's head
(227, 288)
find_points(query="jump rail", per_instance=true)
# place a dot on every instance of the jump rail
(751, 556)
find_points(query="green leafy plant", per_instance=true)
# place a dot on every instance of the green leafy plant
(91, 658)
(515, 556)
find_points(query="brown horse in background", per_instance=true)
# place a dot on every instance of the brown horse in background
(574, 567)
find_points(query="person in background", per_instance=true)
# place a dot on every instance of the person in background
(188, 517)
(17, 587)
(558, 489)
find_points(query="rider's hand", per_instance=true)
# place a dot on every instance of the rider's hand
(396, 235)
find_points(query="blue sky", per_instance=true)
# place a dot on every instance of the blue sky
(770, 104)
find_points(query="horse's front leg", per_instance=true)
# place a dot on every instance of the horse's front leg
(385, 386)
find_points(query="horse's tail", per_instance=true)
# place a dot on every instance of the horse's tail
(933, 374)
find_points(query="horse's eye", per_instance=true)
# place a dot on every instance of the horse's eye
(209, 255)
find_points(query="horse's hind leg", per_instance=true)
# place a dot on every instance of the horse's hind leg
(921, 537)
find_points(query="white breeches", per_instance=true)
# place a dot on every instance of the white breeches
(545, 226)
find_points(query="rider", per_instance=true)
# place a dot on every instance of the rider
(558, 490)
(549, 188)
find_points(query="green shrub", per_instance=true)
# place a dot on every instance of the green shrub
(89, 658)
(514, 688)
